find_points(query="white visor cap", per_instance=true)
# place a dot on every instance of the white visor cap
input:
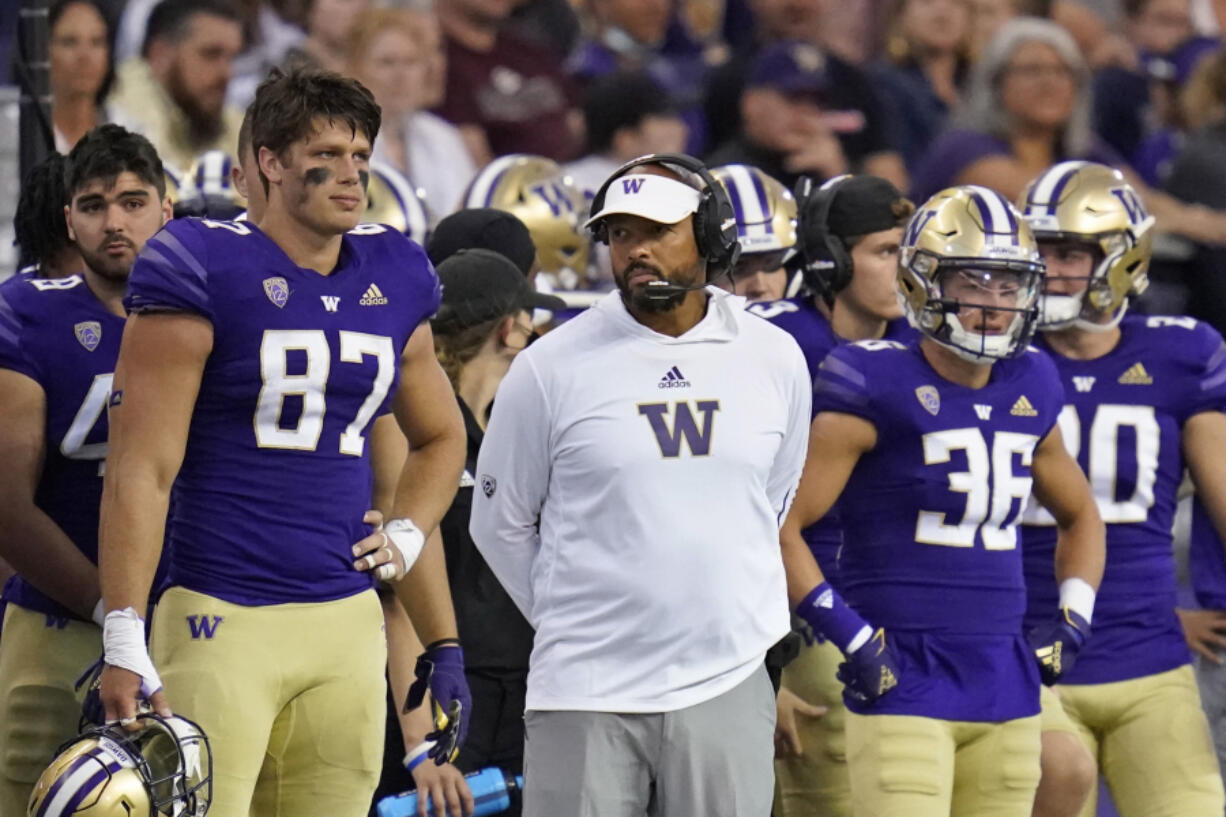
(655, 198)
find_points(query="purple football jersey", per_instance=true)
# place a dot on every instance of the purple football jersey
(276, 475)
(929, 516)
(1123, 420)
(59, 334)
(801, 319)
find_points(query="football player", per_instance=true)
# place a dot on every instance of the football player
(849, 234)
(59, 339)
(934, 446)
(538, 192)
(1145, 399)
(766, 229)
(255, 360)
(38, 225)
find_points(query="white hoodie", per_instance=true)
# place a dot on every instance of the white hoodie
(659, 469)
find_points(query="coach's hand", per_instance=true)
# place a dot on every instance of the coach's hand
(1057, 643)
(871, 670)
(129, 680)
(441, 670)
(445, 788)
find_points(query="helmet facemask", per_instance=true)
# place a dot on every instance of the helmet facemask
(980, 310)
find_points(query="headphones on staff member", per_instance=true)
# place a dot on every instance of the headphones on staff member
(823, 260)
(714, 221)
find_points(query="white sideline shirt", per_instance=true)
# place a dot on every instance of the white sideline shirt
(654, 580)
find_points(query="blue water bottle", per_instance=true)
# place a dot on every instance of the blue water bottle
(492, 789)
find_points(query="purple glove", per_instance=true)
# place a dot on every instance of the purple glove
(1057, 643)
(870, 670)
(441, 669)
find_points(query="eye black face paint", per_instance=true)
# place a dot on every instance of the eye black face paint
(316, 175)
(364, 178)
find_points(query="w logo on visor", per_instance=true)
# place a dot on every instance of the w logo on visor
(631, 185)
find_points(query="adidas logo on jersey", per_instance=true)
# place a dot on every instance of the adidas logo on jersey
(1136, 376)
(673, 379)
(372, 297)
(1023, 408)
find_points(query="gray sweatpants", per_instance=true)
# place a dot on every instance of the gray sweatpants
(714, 759)
(1211, 678)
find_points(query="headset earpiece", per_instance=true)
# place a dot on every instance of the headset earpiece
(827, 264)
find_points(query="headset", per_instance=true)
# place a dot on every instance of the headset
(715, 232)
(823, 260)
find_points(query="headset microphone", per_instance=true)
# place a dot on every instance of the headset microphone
(667, 290)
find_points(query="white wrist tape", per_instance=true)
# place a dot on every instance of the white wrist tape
(407, 538)
(123, 646)
(99, 614)
(1077, 595)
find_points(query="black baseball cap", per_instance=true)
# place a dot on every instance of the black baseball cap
(481, 285)
(486, 228)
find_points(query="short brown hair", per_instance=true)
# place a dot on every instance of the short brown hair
(287, 104)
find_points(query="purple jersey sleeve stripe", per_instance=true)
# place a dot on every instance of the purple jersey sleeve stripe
(1215, 370)
(194, 288)
(842, 370)
(187, 261)
(10, 325)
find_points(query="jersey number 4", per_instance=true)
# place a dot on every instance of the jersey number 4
(311, 386)
(989, 483)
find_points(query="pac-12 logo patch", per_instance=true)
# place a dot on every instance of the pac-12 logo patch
(277, 290)
(89, 334)
(929, 398)
(488, 485)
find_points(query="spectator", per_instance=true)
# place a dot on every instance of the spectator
(1198, 176)
(329, 26)
(636, 35)
(1168, 124)
(175, 92)
(1027, 107)
(505, 94)
(625, 115)
(81, 69)
(922, 78)
(484, 321)
(387, 53)
(808, 113)
(39, 225)
(267, 36)
(1154, 28)
(773, 21)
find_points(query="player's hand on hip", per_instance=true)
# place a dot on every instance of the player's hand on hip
(789, 709)
(1057, 643)
(444, 789)
(440, 669)
(871, 670)
(1205, 632)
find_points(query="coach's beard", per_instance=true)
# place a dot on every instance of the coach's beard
(643, 299)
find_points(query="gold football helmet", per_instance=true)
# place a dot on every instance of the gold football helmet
(765, 212)
(967, 255)
(1091, 204)
(164, 770)
(206, 189)
(548, 202)
(391, 200)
